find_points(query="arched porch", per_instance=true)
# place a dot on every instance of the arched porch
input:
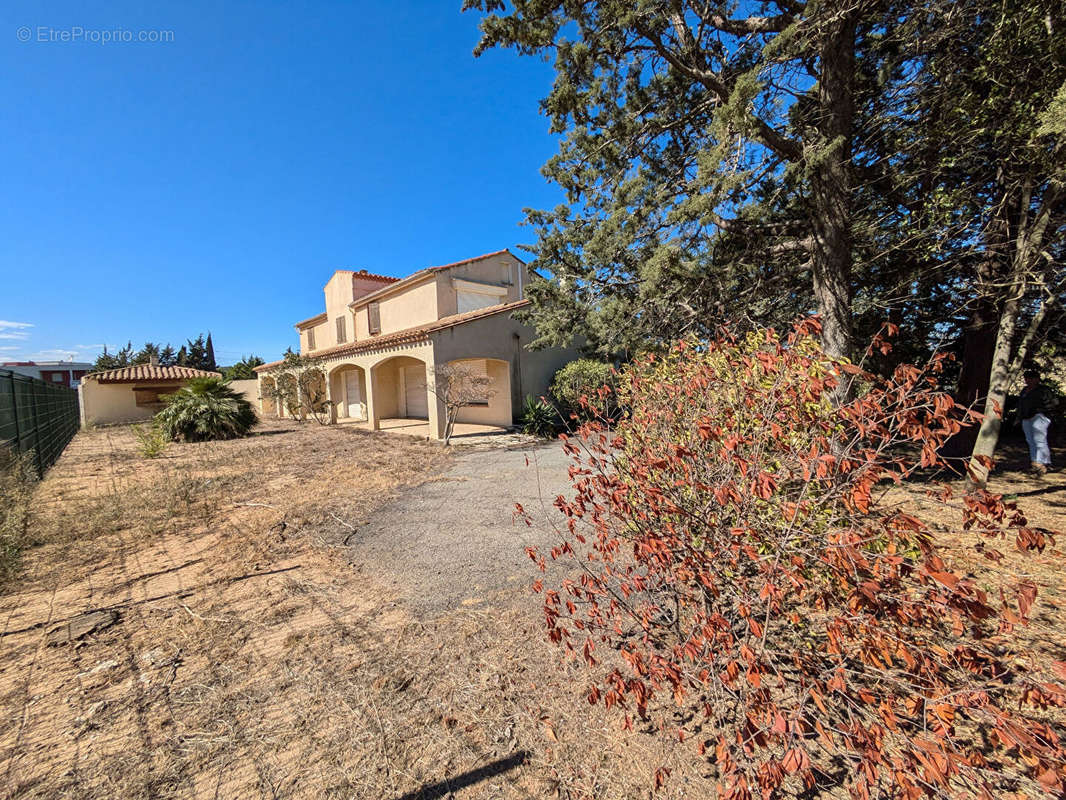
(268, 397)
(398, 390)
(287, 397)
(484, 387)
(348, 391)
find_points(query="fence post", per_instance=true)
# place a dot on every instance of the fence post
(15, 409)
(37, 434)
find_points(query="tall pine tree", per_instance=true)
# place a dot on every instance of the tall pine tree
(710, 162)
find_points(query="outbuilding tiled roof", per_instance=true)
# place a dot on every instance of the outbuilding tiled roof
(407, 335)
(149, 372)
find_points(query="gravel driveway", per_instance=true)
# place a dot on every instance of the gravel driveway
(451, 541)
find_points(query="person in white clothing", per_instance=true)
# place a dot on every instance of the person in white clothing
(1033, 410)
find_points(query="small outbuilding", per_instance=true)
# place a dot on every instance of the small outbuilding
(129, 394)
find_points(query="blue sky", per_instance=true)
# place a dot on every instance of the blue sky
(154, 190)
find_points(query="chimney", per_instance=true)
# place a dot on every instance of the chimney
(153, 360)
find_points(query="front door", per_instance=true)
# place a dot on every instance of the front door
(353, 394)
(415, 391)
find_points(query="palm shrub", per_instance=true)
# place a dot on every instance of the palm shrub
(205, 409)
(539, 418)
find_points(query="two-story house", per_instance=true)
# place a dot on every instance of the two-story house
(380, 341)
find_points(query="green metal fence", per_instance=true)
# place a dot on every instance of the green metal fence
(36, 417)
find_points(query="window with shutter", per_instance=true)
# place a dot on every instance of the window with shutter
(341, 333)
(472, 301)
(374, 318)
(311, 339)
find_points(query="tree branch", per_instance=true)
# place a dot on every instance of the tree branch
(781, 145)
(741, 27)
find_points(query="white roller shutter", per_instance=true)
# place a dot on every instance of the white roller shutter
(415, 397)
(472, 301)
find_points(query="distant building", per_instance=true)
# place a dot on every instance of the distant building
(66, 373)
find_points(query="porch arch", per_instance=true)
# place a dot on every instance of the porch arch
(496, 408)
(348, 391)
(268, 401)
(313, 393)
(399, 389)
(288, 404)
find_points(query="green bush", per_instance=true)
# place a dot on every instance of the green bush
(205, 409)
(539, 418)
(586, 378)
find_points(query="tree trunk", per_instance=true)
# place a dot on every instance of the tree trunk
(995, 402)
(978, 351)
(1026, 250)
(831, 187)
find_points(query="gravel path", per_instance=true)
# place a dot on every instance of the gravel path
(451, 542)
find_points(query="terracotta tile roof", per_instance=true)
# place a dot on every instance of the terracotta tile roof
(422, 273)
(362, 273)
(316, 318)
(149, 372)
(472, 260)
(407, 335)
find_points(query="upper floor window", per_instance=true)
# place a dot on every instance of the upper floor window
(471, 295)
(342, 336)
(311, 339)
(373, 313)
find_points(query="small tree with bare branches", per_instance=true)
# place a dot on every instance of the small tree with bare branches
(300, 388)
(458, 386)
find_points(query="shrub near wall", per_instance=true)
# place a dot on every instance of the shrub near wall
(745, 588)
(584, 383)
(205, 409)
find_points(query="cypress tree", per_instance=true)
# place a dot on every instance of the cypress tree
(209, 355)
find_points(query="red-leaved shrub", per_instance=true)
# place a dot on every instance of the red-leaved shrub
(740, 580)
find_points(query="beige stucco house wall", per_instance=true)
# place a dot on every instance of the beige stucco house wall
(323, 331)
(456, 313)
(248, 389)
(131, 394)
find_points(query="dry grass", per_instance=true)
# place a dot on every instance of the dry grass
(17, 478)
(252, 659)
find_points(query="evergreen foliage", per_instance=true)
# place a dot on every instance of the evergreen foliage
(584, 378)
(244, 369)
(887, 160)
(198, 354)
